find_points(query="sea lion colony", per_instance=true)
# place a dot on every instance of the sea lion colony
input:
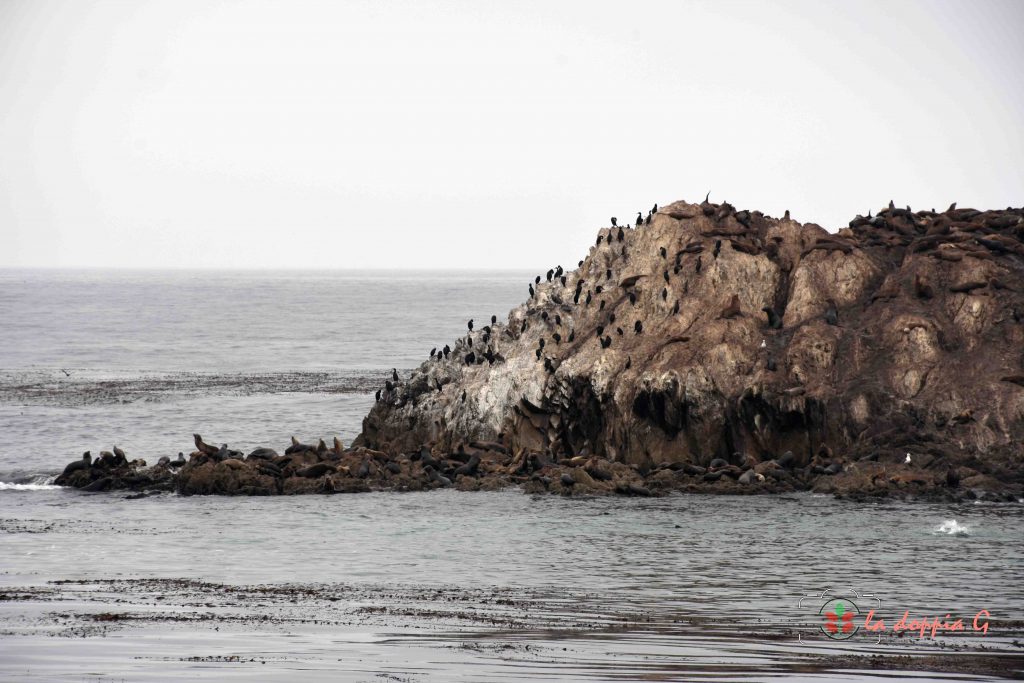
(714, 349)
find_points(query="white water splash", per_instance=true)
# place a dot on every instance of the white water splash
(40, 482)
(952, 528)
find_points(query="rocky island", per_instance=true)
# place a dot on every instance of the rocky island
(703, 348)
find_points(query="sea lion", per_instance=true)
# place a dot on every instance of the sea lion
(297, 447)
(315, 471)
(83, 464)
(733, 309)
(262, 453)
(202, 447)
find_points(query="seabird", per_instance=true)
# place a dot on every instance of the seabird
(699, 263)
(632, 298)
(629, 362)
(394, 374)
(622, 235)
(531, 291)
(470, 324)
(537, 281)
(638, 327)
(663, 252)
(718, 248)
(664, 294)
(831, 314)
(764, 344)
(906, 460)
(675, 309)
(639, 218)
(615, 221)
(774, 321)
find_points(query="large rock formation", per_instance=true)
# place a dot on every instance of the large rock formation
(713, 334)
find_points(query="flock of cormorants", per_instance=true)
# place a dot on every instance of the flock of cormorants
(891, 227)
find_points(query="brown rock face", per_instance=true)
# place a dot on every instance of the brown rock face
(904, 333)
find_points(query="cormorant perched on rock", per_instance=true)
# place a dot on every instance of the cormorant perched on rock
(666, 276)
(599, 238)
(437, 383)
(629, 362)
(655, 209)
(447, 350)
(622, 235)
(580, 264)
(537, 280)
(664, 294)
(638, 327)
(562, 280)
(676, 269)
(632, 298)
(572, 335)
(774, 321)
(537, 352)
(388, 386)
(639, 218)
(558, 319)
(541, 342)
(600, 330)
(377, 395)
(543, 315)
(615, 221)
(551, 274)
(470, 358)
(588, 298)
(608, 274)
(611, 317)
(394, 374)
(663, 251)
(470, 324)
(601, 307)
(576, 297)
(831, 313)
(531, 291)
(463, 395)
(469, 341)
(699, 264)
(647, 221)
(522, 328)
(618, 331)
(606, 342)
(558, 271)
(598, 289)
(675, 309)
(733, 309)
(433, 352)
(557, 337)
(718, 248)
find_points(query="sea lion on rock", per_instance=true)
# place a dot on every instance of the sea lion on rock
(297, 447)
(83, 464)
(203, 447)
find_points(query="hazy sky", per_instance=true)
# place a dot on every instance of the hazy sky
(444, 134)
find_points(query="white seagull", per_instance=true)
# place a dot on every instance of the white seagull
(907, 461)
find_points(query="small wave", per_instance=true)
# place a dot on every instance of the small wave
(952, 528)
(9, 486)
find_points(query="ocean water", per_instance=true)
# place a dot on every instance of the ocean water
(423, 586)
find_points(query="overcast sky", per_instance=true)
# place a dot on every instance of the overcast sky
(474, 134)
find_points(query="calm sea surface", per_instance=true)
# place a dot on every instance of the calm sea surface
(410, 587)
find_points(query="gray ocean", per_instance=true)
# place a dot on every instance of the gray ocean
(419, 586)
